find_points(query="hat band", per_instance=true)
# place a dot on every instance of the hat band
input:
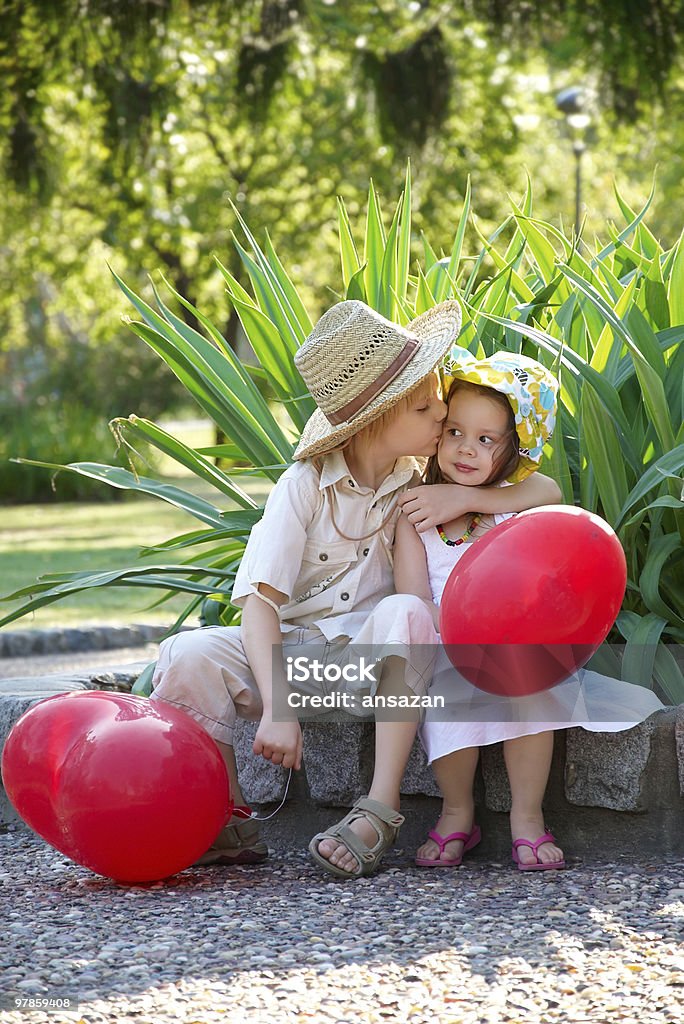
(365, 397)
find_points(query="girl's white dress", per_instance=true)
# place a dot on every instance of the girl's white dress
(474, 718)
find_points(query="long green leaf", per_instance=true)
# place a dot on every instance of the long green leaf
(404, 242)
(660, 551)
(631, 227)
(675, 285)
(114, 476)
(274, 291)
(349, 257)
(457, 247)
(222, 405)
(374, 248)
(605, 456)
(184, 456)
(670, 463)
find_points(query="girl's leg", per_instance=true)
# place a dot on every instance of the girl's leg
(528, 762)
(455, 774)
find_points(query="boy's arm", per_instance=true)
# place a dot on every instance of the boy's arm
(279, 742)
(429, 505)
(410, 566)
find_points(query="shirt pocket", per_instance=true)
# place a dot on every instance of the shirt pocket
(322, 564)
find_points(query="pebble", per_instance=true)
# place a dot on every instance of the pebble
(284, 943)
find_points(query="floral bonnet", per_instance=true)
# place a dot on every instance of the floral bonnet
(529, 387)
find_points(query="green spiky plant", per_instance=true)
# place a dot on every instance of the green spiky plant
(608, 318)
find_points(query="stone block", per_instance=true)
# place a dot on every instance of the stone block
(338, 759)
(497, 791)
(260, 781)
(605, 769)
(418, 777)
(679, 745)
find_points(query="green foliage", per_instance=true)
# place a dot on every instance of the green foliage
(125, 125)
(606, 318)
(61, 433)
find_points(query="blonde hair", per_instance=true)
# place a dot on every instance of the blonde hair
(422, 390)
(373, 430)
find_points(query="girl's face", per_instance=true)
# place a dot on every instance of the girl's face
(475, 430)
(418, 428)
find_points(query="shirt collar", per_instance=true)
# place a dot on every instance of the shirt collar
(335, 469)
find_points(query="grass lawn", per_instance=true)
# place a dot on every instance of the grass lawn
(72, 536)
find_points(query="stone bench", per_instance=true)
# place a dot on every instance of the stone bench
(609, 795)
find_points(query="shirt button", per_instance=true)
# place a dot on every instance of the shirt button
(366, 550)
(375, 504)
(352, 484)
(323, 557)
(344, 597)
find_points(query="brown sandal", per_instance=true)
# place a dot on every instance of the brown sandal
(386, 822)
(237, 843)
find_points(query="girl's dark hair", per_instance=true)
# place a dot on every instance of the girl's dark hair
(509, 456)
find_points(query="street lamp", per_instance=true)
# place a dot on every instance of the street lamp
(571, 102)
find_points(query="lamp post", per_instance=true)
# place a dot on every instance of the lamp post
(572, 103)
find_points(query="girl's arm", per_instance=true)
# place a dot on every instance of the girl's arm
(427, 506)
(279, 742)
(410, 566)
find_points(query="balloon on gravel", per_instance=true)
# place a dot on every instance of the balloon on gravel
(130, 788)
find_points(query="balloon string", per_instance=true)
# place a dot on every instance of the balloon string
(255, 817)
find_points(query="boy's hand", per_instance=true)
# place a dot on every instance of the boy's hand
(430, 505)
(280, 743)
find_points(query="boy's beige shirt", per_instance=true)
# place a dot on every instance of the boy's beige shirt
(331, 583)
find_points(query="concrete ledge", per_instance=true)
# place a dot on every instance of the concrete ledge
(608, 793)
(24, 643)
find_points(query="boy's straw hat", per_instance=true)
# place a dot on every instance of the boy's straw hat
(357, 365)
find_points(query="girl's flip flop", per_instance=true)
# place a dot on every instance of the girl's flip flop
(470, 840)
(536, 865)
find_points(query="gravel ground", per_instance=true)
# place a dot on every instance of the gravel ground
(282, 943)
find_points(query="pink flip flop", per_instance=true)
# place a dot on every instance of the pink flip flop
(536, 865)
(470, 840)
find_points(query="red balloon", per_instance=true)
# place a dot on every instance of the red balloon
(128, 787)
(530, 602)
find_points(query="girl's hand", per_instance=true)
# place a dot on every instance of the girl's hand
(280, 743)
(429, 505)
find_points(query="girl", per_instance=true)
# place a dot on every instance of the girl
(500, 413)
(316, 574)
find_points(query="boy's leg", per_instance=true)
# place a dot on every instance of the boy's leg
(399, 621)
(393, 742)
(528, 762)
(206, 674)
(455, 775)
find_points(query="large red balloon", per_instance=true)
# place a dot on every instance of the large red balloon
(530, 602)
(128, 787)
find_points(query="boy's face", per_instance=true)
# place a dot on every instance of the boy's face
(472, 437)
(418, 428)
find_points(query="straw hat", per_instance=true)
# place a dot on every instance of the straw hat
(357, 365)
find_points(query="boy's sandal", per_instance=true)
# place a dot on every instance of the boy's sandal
(536, 864)
(469, 839)
(386, 822)
(237, 843)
